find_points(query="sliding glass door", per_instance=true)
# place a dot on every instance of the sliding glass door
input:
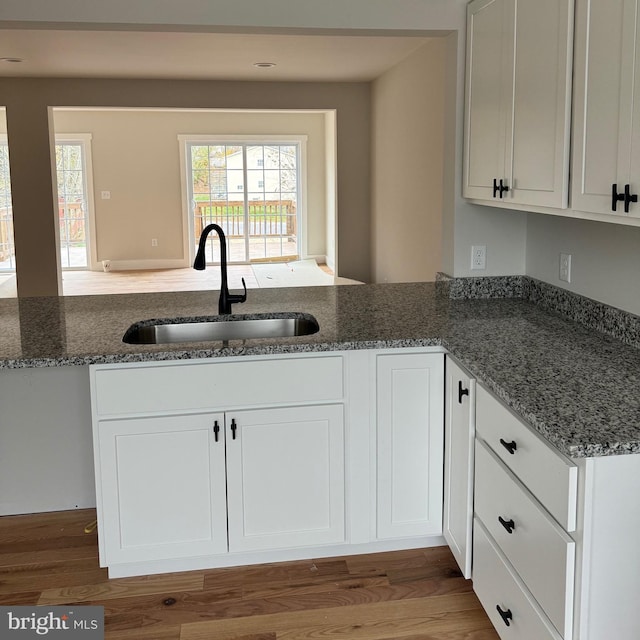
(251, 190)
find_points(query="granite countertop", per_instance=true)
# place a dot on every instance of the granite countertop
(575, 386)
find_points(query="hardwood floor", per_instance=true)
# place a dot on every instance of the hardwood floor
(413, 595)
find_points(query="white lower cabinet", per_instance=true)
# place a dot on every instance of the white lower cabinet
(171, 484)
(285, 477)
(505, 598)
(555, 553)
(162, 484)
(277, 461)
(459, 434)
(409, 444)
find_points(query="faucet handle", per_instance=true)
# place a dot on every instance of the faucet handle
(239, 297)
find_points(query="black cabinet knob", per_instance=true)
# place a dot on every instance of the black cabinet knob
(629, 197)
(506, 616)
(216, 430)
(615, 197)
(509, 446)
(496, 188)
(461, 392)
(234, 428)
(509, 525)
(503, 188)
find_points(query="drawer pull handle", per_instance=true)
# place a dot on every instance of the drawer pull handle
(216, 430)
(509, 446)
(234, 426)
(505, 615)
(461, 392)
(628, 198)
(615, 197)
(509, 525)
(496, 188)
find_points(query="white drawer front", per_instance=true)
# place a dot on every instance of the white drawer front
(219, 385)
(551, 477)
(537, 547)
(497, 585)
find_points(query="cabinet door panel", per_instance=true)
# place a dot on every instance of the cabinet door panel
(458, 464)
(486, 119)
(605, 32)
(162, 488)
(286, 477)
(409, 444)
(537, 165)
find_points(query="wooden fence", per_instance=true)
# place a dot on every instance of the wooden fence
(266, 218)
(6, 233)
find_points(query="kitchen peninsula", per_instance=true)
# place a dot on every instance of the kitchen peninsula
(573, 385)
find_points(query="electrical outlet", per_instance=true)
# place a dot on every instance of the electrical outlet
(154, 242)
(565, 267)
(478, 257)
(105, 195)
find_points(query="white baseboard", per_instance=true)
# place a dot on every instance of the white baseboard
(320, 259)
(140, 265)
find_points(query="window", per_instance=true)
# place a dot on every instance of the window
(250, 189)
(72, 203)
(7, 248)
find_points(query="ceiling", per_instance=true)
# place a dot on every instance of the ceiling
(219, 56)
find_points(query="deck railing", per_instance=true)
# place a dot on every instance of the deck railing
(6, 233)
(266, 218)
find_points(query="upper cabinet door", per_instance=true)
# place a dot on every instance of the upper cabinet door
(518, 101)
(605, 106)
(488, 97)
(537, 165)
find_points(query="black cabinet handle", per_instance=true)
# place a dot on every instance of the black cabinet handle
(509, 446)
(629, 198)
(505, 615)
(234, 426)
(461, 392)
(616, 197)
(503, 188)
(509, 525)
(496, 188)
(216, 430)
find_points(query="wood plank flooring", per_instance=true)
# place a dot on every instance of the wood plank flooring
(410, 595)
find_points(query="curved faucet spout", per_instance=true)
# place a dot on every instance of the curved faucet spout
(226, 298)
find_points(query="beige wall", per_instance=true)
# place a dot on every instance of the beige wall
(136, 158)
(27, 101)
(408, 167)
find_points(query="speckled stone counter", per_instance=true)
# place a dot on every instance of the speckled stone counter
(576, 386)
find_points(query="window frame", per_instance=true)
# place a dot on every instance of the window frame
(230, 139)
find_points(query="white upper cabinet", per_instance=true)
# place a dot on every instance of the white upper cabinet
(606, 159)
(518, 102)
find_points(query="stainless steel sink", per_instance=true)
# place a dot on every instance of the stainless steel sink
(211, 328)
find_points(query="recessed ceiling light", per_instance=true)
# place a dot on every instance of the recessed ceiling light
(11, 60)
(264, 65)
